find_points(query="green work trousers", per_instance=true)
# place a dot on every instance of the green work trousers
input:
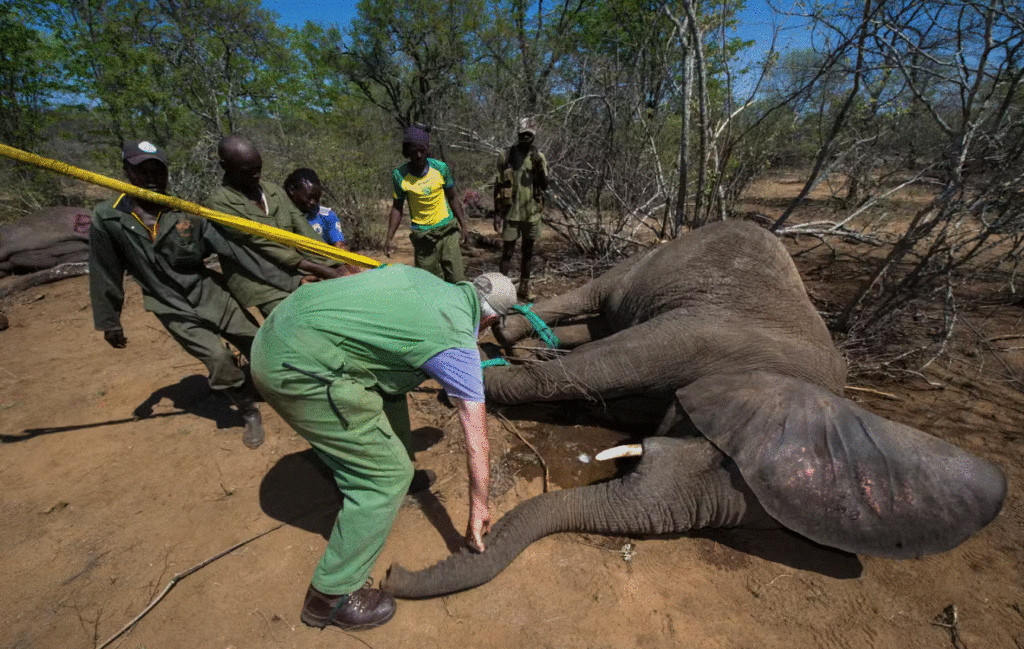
(438, 252)
(363, 437)
(201, 337)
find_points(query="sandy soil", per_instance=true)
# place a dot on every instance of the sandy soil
(101, 509)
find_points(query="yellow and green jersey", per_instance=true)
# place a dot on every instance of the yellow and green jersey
(428, 207)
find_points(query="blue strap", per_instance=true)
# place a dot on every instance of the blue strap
(493, 362)
(542, 329)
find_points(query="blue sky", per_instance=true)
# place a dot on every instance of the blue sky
(295, 13)
(755, 22)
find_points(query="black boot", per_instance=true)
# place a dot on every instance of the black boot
(245, 400)
(524, 289)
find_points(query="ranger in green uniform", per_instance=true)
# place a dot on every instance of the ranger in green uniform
(164, 252)
(519, 201)
(335, 360)
(242, 194)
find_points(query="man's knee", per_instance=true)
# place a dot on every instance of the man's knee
(394, 481)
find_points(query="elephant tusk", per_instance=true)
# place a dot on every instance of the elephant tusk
(628, 450)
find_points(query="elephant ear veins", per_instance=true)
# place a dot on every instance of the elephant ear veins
(826, 468)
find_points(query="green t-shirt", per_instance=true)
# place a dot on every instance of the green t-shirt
(379, 326)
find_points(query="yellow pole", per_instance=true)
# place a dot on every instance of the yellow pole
(297, 241)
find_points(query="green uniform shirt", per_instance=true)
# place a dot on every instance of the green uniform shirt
(249, 289)
(378, 326)
(524, 207)
(169, 268)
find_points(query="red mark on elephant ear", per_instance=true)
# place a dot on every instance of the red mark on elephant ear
(183, 227)
(83, 221)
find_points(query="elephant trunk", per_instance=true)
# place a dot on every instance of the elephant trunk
(527, 522)
(663, 495)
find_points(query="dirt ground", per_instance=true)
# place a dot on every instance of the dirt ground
(100, 509)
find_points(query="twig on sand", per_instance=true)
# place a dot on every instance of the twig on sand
(877, 393)
(181, 575)
(1007, 337)
(948, 619)
(355, 637)
(544, 465)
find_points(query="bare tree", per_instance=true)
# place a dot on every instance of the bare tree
(934, 96)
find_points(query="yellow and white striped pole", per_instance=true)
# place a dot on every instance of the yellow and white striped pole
(296, 241)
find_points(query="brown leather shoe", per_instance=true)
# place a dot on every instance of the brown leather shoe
(366, 608)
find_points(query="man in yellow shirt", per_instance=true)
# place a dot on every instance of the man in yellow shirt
(433, 208)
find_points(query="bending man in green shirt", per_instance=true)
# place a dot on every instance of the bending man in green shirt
(164, 251)
(336, 360)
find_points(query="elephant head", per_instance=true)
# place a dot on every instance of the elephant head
(44, 239)
(719, 323)
(928, 497)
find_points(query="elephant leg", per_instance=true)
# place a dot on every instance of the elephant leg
(581, 302)
(580, 331)
(645, 359)
(585, 300)
(573, 335)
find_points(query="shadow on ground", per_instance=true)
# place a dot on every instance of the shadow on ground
(300, 490)
(192, 395)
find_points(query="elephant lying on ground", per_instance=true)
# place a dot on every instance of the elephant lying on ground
(718, 321)
(44, 239)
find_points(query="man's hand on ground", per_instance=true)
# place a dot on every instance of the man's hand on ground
(479, 524)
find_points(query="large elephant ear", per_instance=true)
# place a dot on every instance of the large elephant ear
(828, 469)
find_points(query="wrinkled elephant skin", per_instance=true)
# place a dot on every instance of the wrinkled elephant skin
(44, 239)
(719, 323)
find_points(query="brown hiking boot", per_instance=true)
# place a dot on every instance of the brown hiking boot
(366, 608)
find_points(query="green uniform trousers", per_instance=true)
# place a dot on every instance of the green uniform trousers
(268, 307)
(362, 436)
(201, 337)
(527, 229)
(437, 251)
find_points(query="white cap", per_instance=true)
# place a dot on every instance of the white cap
(496, 292)
(527, 125)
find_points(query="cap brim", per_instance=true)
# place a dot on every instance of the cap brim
(139, 159)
